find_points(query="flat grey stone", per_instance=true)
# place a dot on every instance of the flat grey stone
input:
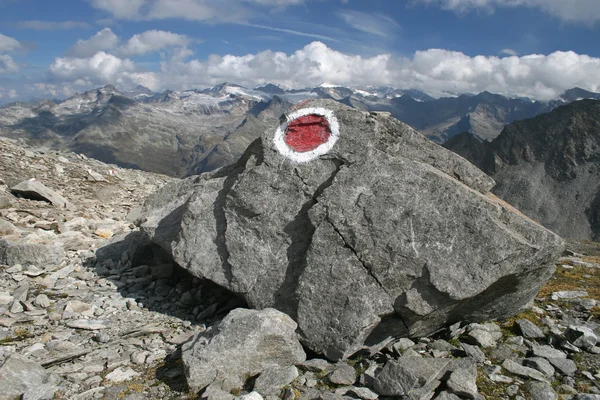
(474, 352)
(541, 364)
(316, 365)
(547, 352)
(566, 294)
(272, 380)
(529, 329)
(515, 368)
(88, 324)
(343, 374)
(361, 392)
(121, 375)
(38, 254)
(401, 377)
(462, 382)
(35, 190)
(251, 396)
(563, 365)
(484, 335)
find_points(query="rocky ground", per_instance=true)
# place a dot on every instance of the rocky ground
(77, 323)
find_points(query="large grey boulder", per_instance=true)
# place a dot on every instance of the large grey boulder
(243, 345)
(385, 235)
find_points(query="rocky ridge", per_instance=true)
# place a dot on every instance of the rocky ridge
(104, 320)
(181, 133)
(548, 167)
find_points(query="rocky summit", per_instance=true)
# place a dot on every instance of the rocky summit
(357, 227)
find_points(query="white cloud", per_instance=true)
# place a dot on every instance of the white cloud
(7, 43)
(434, 71)
(7, 64)
(587, 11)
(101, 67)
(151, 41)
(311, 65)
(52, 25)
(195, 10)
(101, 41)
(125, 9)
(139, 44)
(374, 24)
(508, 52)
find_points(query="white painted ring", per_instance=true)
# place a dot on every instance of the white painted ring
(324, 148)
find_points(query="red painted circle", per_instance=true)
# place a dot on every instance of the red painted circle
(308, 132)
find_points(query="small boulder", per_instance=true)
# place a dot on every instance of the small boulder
(462, 382)
(541, 391)
(38, 254)
(581, 336)
(6, 228)
(244, 344)
(529, 330)
(273, 379)
(408, 374)
(343, 374)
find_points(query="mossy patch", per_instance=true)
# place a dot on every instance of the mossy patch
(490, 390)
(574, 279)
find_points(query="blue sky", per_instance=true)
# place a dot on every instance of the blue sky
(535, 48)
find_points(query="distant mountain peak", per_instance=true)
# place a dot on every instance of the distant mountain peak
(578, 93)
(271, 89)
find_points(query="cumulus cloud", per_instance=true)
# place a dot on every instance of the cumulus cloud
(7, 43)
(139, 44)
(7, 64)
(435, 71)
(374, 24)
(52, 25)
(101, 41)
(571, 11)
(151, 41)
(101, 67)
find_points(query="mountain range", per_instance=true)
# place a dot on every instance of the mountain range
(547, 166)
(180, 133)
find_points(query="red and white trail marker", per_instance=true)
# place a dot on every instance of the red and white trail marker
(307, 134)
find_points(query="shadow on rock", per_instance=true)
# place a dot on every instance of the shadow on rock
(143, 271)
